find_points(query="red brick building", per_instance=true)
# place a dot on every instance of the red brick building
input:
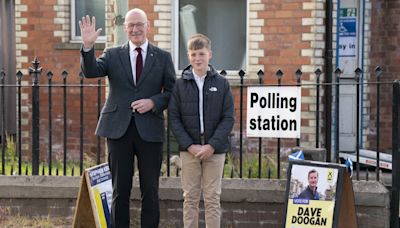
(252, 35)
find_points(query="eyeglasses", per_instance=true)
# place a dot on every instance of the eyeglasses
(139, 25)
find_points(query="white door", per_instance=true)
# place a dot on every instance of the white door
(347, 115)
(348, 60)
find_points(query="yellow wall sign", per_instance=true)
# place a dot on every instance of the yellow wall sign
(315, 195)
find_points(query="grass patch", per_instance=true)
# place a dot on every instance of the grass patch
(250, 166)
(11, 164)
(72, 169)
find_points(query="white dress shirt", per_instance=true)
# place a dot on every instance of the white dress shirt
(200, 83)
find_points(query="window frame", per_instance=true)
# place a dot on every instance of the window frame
(75, 38)
(176, 34)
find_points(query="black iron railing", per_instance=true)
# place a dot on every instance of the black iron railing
(67, 105)
(31, 160)
(395, 190)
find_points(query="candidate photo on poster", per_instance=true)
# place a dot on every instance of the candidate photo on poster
(313, 183)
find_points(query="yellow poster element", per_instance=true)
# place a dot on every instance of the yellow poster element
(309, 213)
(99, 206)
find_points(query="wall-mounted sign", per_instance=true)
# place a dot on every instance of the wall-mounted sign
(273, 111)
(347, 29)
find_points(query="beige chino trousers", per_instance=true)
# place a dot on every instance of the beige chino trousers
(198, 176)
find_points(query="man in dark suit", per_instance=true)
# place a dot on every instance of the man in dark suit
(141, 78)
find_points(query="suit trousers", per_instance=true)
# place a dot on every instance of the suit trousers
(121, 162)
(198, 175)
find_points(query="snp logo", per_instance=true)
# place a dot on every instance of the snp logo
(330, 175)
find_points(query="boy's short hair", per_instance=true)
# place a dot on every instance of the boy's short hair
(199, 41)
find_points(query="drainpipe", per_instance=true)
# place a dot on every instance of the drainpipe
(336, 136)
(120, 9)
(362, 76)
(328, 78)
(120, 36)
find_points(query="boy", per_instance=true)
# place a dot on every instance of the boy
(201, 118)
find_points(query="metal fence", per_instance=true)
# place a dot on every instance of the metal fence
(29, 161)
(32, 161)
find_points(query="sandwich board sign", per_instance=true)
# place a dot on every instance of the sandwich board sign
(319, 195)
(93, 205)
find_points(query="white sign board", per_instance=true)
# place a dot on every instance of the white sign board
(273, 111)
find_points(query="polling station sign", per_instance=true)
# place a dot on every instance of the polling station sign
(273, 111)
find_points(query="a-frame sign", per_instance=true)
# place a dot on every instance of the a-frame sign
(94, 199)
(319, 195)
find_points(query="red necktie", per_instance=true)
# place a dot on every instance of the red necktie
(139, 64)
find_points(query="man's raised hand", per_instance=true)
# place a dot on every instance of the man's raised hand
(88, 31)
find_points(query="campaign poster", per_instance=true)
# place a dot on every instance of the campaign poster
(100, 190)
(273, 111)
(312, 195)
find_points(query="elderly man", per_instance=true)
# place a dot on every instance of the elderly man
(141, 78)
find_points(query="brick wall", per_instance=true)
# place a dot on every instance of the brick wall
(43, 30)
(286, 36)
(245, 203)
(385, 52)
(281, 35)
(149, 7)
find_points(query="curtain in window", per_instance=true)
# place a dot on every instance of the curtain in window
(92, 8)
(224, 22)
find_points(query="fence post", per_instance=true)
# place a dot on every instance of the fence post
(337, 107)
(64, 75)
(19, 140)
(358, 72)
(260, 75)
(279, 75)
(50, 120)
(3, 122)
(81, 129)
(318, 73)
(298, 81)
(378, 73)
(328, 78)
(241, 75)
(98, 116)
(35, 71)
(394, 202)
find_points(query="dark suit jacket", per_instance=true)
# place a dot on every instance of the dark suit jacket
(156, 82)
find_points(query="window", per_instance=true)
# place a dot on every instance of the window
(89, 7)
(224, 22)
